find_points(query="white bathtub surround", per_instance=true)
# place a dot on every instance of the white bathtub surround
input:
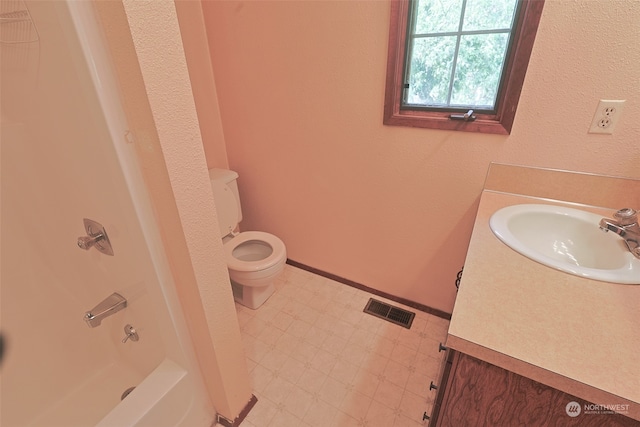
(316, 359)
(64, 158)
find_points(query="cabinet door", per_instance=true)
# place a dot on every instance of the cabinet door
(440, 386)
(480, 394)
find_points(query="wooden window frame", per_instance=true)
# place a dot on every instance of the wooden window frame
(516, 67)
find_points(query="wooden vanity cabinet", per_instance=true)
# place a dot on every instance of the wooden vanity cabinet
(476, 393)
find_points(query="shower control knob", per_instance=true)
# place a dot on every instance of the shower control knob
(87, 242)
(96, 238)
(131, 334)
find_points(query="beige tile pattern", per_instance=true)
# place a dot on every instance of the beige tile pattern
(316, 359)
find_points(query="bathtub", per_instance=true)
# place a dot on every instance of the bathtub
(64, 157)
(162, 399)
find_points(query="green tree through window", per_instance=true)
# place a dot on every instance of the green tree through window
(456, 52)
(449, 56)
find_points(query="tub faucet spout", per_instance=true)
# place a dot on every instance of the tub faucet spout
(110, 305)
(626, 226)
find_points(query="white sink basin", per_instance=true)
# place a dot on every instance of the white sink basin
(566, 239)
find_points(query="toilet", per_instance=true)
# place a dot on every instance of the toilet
(254, 258)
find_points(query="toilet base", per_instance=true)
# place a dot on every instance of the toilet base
(252, 296)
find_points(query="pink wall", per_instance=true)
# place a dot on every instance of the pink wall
(300, 87)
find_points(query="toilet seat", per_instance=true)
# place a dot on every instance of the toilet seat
(277, 255)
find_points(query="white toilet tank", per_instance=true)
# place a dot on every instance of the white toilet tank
(227, 199)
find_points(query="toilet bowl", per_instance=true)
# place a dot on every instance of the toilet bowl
(255, 259)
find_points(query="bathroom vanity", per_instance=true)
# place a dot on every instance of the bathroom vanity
(475, 392)
(532, 345)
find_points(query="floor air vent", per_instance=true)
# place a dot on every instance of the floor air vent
(388, 312)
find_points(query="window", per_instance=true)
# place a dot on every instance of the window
(448, 57)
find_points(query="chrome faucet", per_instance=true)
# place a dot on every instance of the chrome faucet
(110, 305)
(626, 226)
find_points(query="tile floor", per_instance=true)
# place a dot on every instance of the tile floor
(315, 359)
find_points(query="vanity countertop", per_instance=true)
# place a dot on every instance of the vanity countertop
(577, 335)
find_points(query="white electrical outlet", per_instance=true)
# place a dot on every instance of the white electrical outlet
(606, 116)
